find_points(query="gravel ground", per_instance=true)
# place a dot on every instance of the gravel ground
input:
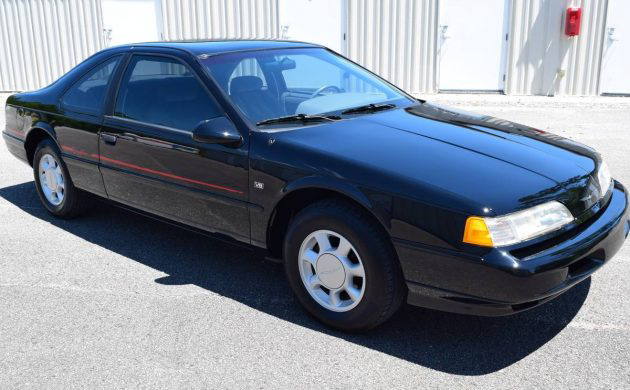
(118, 300)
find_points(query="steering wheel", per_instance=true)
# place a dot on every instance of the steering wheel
(324, 88)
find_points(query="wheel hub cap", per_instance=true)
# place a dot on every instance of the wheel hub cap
(51, 179)
(330, 271)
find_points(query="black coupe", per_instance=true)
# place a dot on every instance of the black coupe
(369, 195)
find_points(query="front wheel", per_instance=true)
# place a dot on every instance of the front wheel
(342, 267)
(52, 180)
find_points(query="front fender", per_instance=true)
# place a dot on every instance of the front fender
(341, 187)
(328, 184)
(381, 211)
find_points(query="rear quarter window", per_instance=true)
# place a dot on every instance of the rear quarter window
(88, 94)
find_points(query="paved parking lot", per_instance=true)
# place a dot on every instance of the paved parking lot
(117, 300)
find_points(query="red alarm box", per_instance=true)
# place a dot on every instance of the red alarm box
(574, 16)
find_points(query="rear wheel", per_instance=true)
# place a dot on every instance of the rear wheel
(54, 185)
(342, 267)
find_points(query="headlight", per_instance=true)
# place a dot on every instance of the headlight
(604, 178)
(517, 227)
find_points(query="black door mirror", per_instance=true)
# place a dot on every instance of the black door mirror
(219, 130)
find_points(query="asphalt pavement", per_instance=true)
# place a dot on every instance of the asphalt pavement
(117, 300)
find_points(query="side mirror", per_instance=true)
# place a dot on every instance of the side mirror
(219, 130)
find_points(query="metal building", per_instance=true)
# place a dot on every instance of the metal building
(41, 40)
(513, 46)
(425, 46)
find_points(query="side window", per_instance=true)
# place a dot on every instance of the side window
(88, 94)
(164, 92)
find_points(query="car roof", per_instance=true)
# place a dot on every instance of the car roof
(199, 47)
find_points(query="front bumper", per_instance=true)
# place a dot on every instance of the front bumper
(500, 283)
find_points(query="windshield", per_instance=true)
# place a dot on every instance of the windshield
(276, 83)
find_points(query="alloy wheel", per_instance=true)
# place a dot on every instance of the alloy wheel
(331, 270)
(51, 179)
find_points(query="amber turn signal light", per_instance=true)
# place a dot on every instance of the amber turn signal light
(476, 232)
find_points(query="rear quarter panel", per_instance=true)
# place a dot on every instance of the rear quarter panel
(10, 122)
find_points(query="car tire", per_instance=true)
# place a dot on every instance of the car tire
(65, 200)
(367, 290)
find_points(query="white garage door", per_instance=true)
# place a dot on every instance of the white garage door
(130, 21)
(472, 44)
(616, 60)
(315, 21)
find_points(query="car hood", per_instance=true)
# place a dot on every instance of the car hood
(474, 163)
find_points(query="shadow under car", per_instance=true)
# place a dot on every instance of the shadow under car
(452, 343)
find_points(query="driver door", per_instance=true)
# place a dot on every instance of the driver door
(150, 161)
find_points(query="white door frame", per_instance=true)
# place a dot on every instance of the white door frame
(344, 27)
(505, 47)
(608, 39)
(504, 52)
(159, 19)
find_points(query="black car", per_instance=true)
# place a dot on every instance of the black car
(370, 196)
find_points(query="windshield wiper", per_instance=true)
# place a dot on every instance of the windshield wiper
(368, 108)
(298, 118)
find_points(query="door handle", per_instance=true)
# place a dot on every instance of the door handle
(109, 138)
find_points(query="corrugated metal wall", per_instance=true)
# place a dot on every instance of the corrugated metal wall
(542, 60)
(396, 39)
(220, 19)
(42, 39)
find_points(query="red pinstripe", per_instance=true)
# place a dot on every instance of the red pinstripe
(148, 170)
